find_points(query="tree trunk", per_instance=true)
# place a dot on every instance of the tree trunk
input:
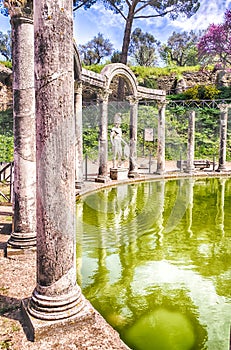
(126, 43)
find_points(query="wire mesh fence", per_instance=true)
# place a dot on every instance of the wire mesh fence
(207, 130)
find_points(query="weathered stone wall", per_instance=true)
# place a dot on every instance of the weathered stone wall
(5, 87)
(174, 84)
(171, 83)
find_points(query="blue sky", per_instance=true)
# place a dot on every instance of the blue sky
(88, 24)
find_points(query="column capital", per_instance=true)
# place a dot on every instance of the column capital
(161, 104)
(133, 100)
(224, 107)
(103, 95)
(78, 86)
(20, 8)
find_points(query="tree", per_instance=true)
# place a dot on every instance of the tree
(181, 49)
(143, 48)
(3, 10)
(115, 58)
(95, 50)
(215, 45)
(140, 9)
(5, 45)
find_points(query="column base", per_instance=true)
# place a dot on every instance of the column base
(220, 169)
(118, 173)
(102, 179)
(36, 329)
(159, 172)
(133, 174)
(190, 170)
(18, 242)
(79, 185)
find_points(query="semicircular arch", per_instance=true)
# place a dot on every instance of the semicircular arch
(121, 70)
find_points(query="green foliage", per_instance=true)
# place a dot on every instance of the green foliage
(7, 64)
(181, 49)
(202, 92)
(94, 67)
(225, 92)
(6, 136)
(6, 148)
(143, 48)
(96, 49)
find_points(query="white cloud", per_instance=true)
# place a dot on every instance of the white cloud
(209, 12)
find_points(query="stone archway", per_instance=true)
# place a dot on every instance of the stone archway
(102, 83)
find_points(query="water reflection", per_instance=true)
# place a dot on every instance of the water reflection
(154, 259)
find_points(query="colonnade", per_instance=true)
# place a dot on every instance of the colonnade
(51, 212)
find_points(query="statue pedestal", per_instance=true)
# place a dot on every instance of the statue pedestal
(118, 173)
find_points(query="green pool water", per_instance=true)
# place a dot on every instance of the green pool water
(154, 259)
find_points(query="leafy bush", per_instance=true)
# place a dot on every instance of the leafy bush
(6, 148)
(202, 92)
(7, 64)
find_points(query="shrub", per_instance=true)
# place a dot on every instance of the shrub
(202, 92)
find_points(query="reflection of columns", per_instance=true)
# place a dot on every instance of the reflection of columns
(78, 134)
(79, 240)
(103, 140)
(24, 234)
(133, 171)
(191, 142)
(189, 212)
(161, 138)
(56, 295)
(223, 136)
(220, 205)
(160, 209)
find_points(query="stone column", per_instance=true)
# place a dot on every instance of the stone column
(56, 295)
(24, 224)
(103, 137)
(191, 142)
(161, 138)
(78, 135)
(223, 136)
(133, 169)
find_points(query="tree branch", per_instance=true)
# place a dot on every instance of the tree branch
(81, 5)
(152, 16)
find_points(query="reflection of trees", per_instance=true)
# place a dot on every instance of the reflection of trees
(132, 228)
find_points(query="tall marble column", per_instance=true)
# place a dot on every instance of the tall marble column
(24, 222)
(191, 142)
(103, 137)
(78, 135)
(56, 295)
(223, 136)
(133, 168)
(161, 138)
